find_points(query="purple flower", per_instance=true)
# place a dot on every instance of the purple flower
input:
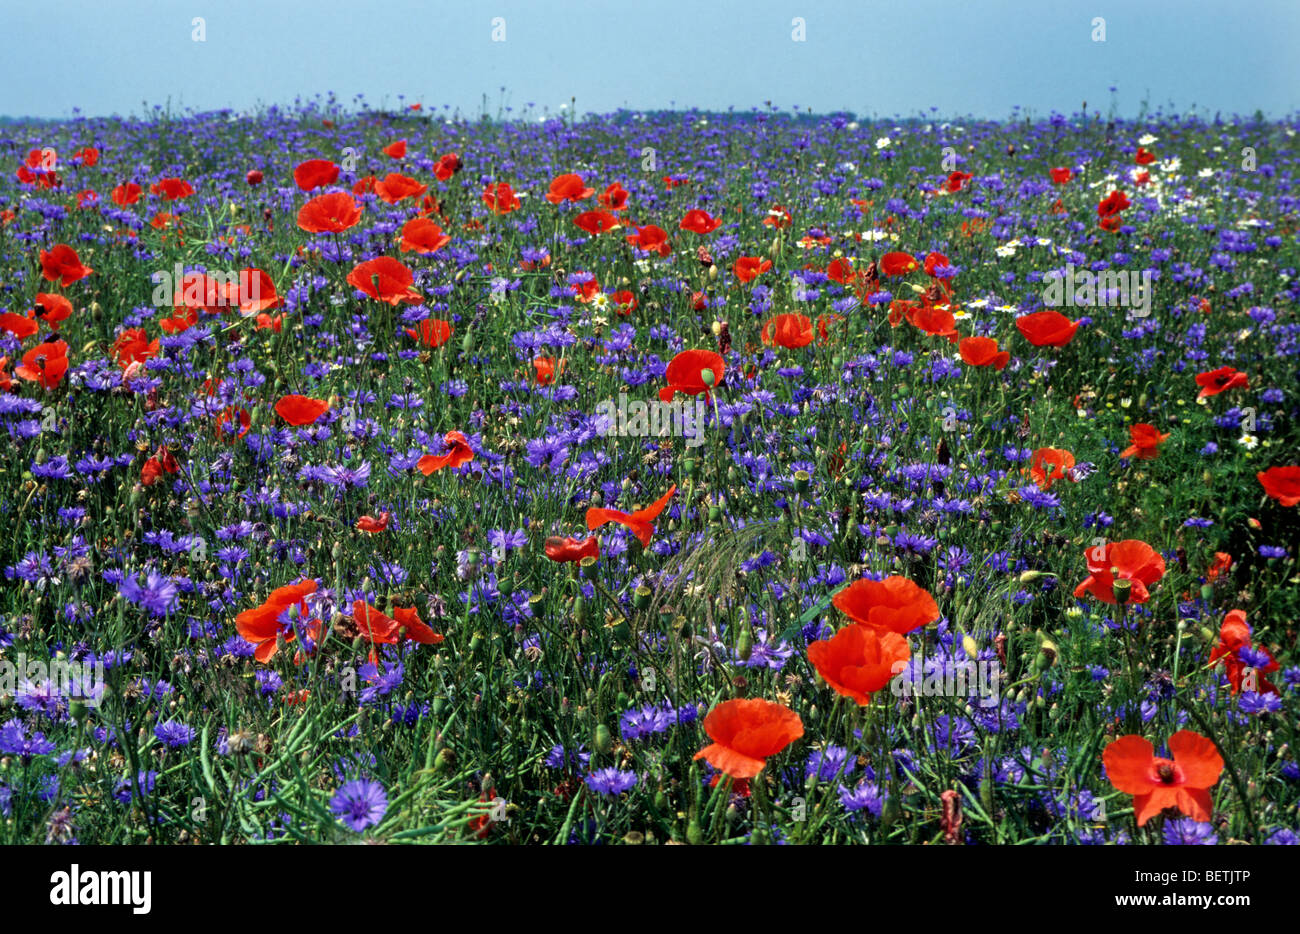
(611, 781)
(360, 804)
(1188, 832)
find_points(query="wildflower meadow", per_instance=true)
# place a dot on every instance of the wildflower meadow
(663, 477)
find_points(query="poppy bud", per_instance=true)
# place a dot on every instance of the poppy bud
(1028, 577)
(1046, 656)
(445, 760)
(713, 273)
(745, 642)
(1207, 591)
(601, 741)
(774, 251)
(694, 836)
(971, 648)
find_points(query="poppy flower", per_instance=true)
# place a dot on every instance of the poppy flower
(624, 301)
(267, 323)
(934, 320)
(1130, 560)
(163, 461)
(1281, 484)
(364, 185)
(315, 173)
(45, 364)
(431, 332)
(745, 732)
(700, 222)
(172, 189)
(749, 268)
(128, 193)
(1221, 380)
(253, 177)
(301, 410)
(385, 279)
(1112, 204)
(332, 213)
(895, 604)
(133, 346)
(1047, 465)
(935, 261)
(790, 331)
(841, 270)
(393, 188)
(381, 629)
(1060, 176)
(458, 452)
(652, 239)
(568, 188)
(777, 216)
(1156, 783)
(371, 524)
(544, 368)
(423, 236)
(20, 326)
(957, 179)
(825, 323)
(858, 660)
(256, 292)
(693, 372)
(89, 156)
(641, 522)
(1146, 441)
(447, 166)
(614, 197)
(983, 351)
(395, 150)
(571, 549)
(596, 222)
(898, 264)
(87, 197)
(500, 198)
(1047, 328)
(276, 617)
(1234, 635)
(62, 265)
(1144, 156)
(1222, 562)
(233, 424)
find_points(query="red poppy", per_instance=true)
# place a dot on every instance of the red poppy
(162, 462)
(133, 346)
(934, 320)
(380, 629)
(332, 213)
(364, 185)
(700, 222)
(745, 733)
(19, 326)
(895, 604)
(1047, 328)
(254, 177)
(790, 331)
(898, 264)
(431, 332)
(624, 301)
(841, 270)
(957, 179)
(693, 372)
(749, 268)
(264, 625)
(371, 524)
(128, 193)
(1061, 176)
(1220, 380)
(934, 261)
(1047, 465)
(392, 188)
(423, 236)
(652, 239)
(301, 410)
(62, 265)
(1144, 156)
(458, 452)
(86, 197)
(1155, 783)
(315, 173)
(586, 289)
(233, 421)
(500, 198)
(395, 150)
(568, 188)
(596, 222)
(614, 197)
(1131, 560)
(858, 660)
(88, 156)
(1281, 484)
(45, 364)
(256, 292)
(1222, 562)
(1146, 441)
(385, 279)
(1112, 204)
(641, 522)
(778, 217)
(983, 351)
(172, 189)
(545, 370)
(447, 166)
(1234, 635)
(571, 549)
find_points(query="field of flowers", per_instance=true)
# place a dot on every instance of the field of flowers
(649, 478)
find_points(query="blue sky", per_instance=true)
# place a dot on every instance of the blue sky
(965, 57)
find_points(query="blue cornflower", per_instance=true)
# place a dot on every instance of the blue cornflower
(611, 781)
(360, 804)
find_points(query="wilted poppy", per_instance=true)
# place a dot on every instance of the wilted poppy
(571, 549)
(641, 522)
(983, 351)
(431, 332)
(62, 265)
(858, 660)
(693, 372)
(458, 452)
(790, 331)
(332, 213)
(1130, 560)
(1156, 783)
(895, 604)
(423, 236)
(1220, 380)
(1146, 441)
(385, 279)
(568, 188)
(1047, 465)
(700, 222)
(1281, 483)
(315, 173)
(1047, 328)
(745, 732)
(301, 410)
